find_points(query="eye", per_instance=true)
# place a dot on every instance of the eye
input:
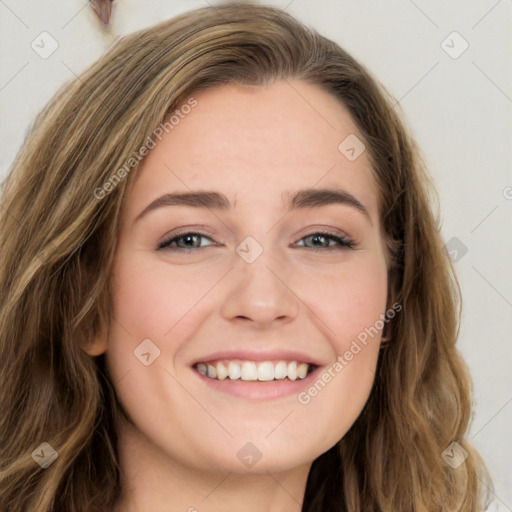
(322, 241)
(189, 242)
(184, 243)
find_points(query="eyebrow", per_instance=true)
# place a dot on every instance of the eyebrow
(304, 198)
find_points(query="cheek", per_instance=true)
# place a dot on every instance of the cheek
(150, 299)
(350, 301)
(337, 395)
(152, 310)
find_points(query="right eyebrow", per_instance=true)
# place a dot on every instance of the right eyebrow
(196, 199)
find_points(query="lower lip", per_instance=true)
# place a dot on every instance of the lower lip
(257, 390)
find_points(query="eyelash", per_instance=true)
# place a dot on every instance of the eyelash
(343, 242)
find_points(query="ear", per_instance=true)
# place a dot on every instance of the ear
(98, 344)
(96, 347)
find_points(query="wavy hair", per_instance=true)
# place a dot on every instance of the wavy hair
(58, 240)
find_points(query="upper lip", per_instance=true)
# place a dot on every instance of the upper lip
(260, 355)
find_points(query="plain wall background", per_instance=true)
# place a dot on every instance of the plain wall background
(459, 108)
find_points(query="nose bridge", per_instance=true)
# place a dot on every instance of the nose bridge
(258, 288)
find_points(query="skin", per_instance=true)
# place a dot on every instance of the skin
(251, 144)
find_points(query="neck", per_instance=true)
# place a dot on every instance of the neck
(152, 480)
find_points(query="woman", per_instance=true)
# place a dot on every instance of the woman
(223, 287)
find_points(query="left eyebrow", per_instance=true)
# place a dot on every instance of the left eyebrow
(316, 197)
(304, 198)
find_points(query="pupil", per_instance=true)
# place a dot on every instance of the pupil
(189, 238)
(317, 237)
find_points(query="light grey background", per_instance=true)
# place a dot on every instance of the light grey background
(459, 109)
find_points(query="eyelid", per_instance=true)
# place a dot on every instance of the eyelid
(342, 240)
(164, 243)
(194, 229)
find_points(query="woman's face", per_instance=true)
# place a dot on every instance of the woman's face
(260, 284)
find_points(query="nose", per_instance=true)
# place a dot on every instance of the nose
(260, 293)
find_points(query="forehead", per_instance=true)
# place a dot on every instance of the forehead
(256, 143)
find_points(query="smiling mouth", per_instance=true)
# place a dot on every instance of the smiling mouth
(264, 371)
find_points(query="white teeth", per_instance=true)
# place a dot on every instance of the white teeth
(292, 370)
(212, 371)
(252, 371)
(280, 370)
(233, 370)
(302, 370)
(249, 371)
(265, 371)
(222, 371)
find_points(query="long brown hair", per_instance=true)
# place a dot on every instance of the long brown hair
(58, 238)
